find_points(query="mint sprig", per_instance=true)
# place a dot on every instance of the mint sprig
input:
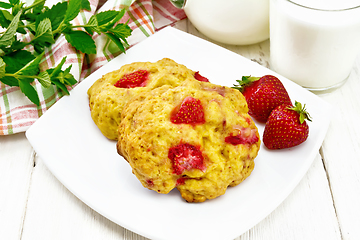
(20, 67)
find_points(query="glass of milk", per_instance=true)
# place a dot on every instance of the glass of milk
(238, 22)
(314, 42)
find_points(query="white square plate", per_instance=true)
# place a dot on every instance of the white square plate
(87, 163)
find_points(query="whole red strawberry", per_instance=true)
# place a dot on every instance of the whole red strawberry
(190, 111)
(286, 127)
(134, 79)
(262, 95)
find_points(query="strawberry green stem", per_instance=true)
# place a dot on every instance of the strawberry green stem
(245, 81)
(303, 114)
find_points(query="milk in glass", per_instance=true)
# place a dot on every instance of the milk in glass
(239, 22)
(314, 42)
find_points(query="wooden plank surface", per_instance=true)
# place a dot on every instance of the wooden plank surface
(16, 166)
(325, 204)
(341, 150)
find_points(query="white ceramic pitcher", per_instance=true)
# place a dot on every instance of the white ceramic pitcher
(238, 22)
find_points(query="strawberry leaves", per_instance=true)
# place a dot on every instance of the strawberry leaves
(19, 67)
(244, 82)
(303, 114)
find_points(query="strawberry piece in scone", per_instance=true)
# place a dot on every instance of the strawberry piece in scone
(134, 79)
(186, 157)
(190, 111)
(200, 78)
(245, 136)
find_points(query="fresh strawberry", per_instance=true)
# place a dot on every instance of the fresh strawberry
(186, 157)
(190, 111)
(200, 78)
(134, 79)
(286, 127)
(262, 95)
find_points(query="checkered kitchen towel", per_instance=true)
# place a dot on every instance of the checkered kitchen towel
(17, 113)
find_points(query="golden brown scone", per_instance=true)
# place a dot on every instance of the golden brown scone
(197, 137)
(107, 97)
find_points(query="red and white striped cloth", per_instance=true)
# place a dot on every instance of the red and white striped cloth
(17, 113)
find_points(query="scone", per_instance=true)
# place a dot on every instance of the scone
(108, 95)
(196, 137)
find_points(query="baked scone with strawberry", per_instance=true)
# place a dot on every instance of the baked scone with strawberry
(108, 95)
(196, 137)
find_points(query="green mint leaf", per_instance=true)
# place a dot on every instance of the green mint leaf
(9, 36)
(29, 91)
(61, 78)
(92, 25)
(96, 22)
(56, 14)
(85, 5)
(43, 32)
(39, 47)
(36, 7)
(7, 15)
(103, 21)
(116, 40)
(44, 79)
(21, 28)
(10, 81)
(14, 62)
(73, 10)
(106, 16)
(32, 67)
(14, 2)
(68, 78)
(60, 86)
(17, 8)
(5, 5)
(53, 72)
(121, 31)
(36, 3)
(17, 60)
(115, 20)
(81, 41)
(178, 3)
(5, 18)
(2, 68)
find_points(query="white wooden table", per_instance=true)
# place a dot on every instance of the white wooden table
(34, 205)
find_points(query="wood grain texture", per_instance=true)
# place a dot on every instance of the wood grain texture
(341, 151)
(16, 166)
